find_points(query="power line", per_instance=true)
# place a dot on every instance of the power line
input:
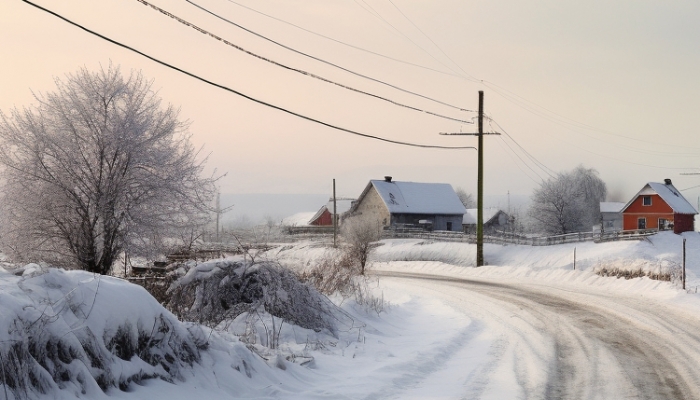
(306, 73)
(550, 115)
(341, 42)
(240, 93)
(376, 14)
(539, 164)
(432, 41)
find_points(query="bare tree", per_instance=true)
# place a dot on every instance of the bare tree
(569, 202)
(359, 233)
(95, 168)
(466, 198)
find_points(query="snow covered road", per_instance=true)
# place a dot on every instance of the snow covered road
(546, 342)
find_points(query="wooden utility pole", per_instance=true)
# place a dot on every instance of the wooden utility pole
(480, 181)
(683, 263)
(218, 212)
(335, 217)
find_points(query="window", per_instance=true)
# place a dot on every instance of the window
(646, 200)
(449, 226)
(641, 223)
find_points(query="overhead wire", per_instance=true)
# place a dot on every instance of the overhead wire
(279, 108)
(512, 97)
(552, 116)
(320, 59)
(551, 173)
(300, 71)
(433, 42)
(340, 41)
(376, 14)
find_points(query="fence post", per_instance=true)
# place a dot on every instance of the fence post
(683, 264)
(574, 258)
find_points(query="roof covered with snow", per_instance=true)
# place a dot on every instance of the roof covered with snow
(471, 215)
(343, 205)
(418, 198)
(611, 206)
(298, 219)
(669, 194)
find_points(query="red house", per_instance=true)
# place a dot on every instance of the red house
(659, 206)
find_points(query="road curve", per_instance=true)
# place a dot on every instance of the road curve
(574, 345)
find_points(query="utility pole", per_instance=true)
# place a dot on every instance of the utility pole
(219, 211)
(335, 217)
(480, 181)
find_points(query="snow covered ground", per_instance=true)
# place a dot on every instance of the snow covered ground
(526, 326)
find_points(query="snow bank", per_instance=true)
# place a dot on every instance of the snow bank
(74, 332)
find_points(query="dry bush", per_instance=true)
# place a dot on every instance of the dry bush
(340, 273)
(219, 291)
(660, 270)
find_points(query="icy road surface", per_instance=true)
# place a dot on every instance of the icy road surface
(538, 341)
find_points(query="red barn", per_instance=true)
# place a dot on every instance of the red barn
(324, 216)
(659, 206)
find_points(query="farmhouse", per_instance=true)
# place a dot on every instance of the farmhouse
(495, 220)
(659, 206)
(433, 206)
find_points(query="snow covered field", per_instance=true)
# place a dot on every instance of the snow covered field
(526, 326)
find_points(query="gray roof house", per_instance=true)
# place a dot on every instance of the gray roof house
(395, 204)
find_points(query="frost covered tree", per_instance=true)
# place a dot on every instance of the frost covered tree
(97, 167)
(466, 198)
(569, 202)
(359, 233)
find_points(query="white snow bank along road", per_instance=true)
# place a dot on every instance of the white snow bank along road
(545, 342)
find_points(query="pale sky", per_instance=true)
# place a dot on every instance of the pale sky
(609, 85)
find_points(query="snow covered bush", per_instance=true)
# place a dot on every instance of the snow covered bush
(217, 292)
(660, 270)
(74, 332)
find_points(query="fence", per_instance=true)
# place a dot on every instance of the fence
(510, 238)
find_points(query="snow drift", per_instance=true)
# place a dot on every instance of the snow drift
(72, 331)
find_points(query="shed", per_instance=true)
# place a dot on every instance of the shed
(611, 216)
(324, 216)
(494, 220)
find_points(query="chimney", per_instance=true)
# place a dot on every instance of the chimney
(667, 181)
(387, 179)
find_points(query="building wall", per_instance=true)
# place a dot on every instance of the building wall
(325, 219)
(652, 213)
(684, 223)
(372, 206)
(612, 221)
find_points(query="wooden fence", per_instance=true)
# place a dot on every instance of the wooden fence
(509, 238)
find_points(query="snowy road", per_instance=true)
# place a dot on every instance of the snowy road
(545, 342)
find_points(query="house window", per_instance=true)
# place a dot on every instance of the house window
(646, 200)
(641, 223)
(449, 226)
(664, 224)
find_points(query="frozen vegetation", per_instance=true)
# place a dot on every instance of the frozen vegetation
(238, 330)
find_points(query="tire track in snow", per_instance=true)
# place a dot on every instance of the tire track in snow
(603, 346)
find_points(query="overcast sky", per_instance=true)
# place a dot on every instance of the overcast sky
(608, 85)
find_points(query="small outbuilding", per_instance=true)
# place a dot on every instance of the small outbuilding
(324, 216)
(611, 216)
(659, 206)
(396, 204)
(495, 220)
